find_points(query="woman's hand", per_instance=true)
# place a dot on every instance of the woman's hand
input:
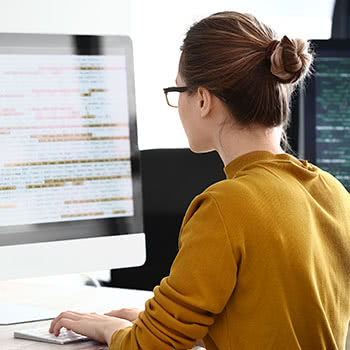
(127, 314)
(97, 327)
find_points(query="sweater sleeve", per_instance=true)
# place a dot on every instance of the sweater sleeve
(201, 281)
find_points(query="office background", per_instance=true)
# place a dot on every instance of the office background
(157, 28)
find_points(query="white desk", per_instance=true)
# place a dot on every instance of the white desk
(66, 297)
(61, 298)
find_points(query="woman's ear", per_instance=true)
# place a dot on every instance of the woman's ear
(205, 99)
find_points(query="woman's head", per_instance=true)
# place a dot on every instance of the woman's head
(241, 61)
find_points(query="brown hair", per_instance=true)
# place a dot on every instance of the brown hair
(239, 60)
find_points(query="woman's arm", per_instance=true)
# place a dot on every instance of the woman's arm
(186, 303)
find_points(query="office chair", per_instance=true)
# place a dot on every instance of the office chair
(171, 178)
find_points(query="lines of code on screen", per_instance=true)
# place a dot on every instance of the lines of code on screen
(64, 139)
(333, 117)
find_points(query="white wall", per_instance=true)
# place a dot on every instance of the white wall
(65, 16)
(158, 28)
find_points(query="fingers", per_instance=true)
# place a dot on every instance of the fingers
(66, 323)
(69, 315)
(115, 313)
(98, 327)
(91, 325)
(126, 314)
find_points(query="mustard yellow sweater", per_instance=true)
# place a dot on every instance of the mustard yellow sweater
(263, 263)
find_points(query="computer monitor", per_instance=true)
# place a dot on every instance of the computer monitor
(70, 184)
(325, 110)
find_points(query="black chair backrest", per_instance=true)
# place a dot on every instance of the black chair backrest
(171, 178)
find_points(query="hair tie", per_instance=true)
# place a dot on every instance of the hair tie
(271, 48)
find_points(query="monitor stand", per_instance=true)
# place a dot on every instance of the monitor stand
(20, 313)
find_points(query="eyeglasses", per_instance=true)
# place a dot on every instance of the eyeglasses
(172, 95)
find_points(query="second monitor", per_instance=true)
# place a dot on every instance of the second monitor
(325, 110)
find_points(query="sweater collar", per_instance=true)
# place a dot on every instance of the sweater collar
(248, 158)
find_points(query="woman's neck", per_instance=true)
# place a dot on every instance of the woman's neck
(234, 142)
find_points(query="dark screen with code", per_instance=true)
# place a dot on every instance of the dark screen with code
(332, 122)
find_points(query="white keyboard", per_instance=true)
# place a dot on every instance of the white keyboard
(42, 334)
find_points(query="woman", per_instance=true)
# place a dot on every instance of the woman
(264, 256)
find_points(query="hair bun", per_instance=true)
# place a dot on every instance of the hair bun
(290, 59)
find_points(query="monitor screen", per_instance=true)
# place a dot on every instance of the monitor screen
(69, 160)
(326, 109)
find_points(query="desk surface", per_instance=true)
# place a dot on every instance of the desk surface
(60, 298)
